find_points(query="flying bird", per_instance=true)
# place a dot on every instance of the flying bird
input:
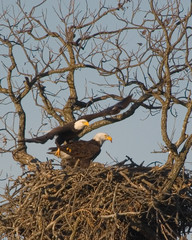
(82, 151)
(66, 133)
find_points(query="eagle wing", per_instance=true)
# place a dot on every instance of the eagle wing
(84, 151)
(63, 133)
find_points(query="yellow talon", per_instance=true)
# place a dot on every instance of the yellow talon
(68, 149)
(57, 153)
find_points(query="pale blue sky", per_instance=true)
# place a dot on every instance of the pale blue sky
(137, 136)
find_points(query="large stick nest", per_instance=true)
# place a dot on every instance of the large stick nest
(100, 202)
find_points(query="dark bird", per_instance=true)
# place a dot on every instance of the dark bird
(66, 133)
(82, 151)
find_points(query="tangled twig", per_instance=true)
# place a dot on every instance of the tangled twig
(97, 203)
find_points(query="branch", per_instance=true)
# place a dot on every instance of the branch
(115, 109)
(119, 117)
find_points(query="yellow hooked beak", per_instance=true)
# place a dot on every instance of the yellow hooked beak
(109, 138)
(86, 123)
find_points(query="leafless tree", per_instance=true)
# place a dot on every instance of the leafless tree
(132, 48)
(137, 48)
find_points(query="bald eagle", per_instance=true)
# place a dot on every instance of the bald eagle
(82, 151)
(66, 133)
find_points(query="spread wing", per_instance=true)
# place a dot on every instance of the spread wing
(115, 109)
(42, 139)
(64, 134)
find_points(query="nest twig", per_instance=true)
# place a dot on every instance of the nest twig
(96, 203)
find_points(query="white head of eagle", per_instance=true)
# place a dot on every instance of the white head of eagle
(101, 138)
(80, 124)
